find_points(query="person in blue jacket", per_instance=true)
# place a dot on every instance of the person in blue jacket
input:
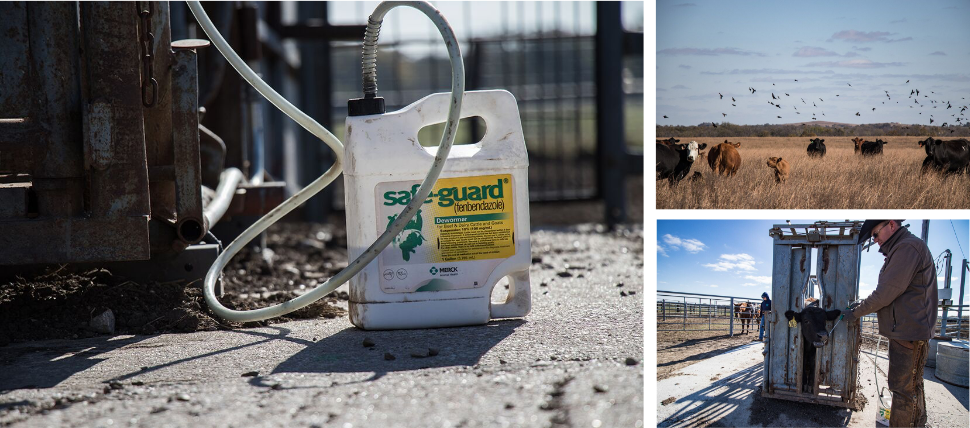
(765, 309)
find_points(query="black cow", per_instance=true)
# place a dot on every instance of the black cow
(817, 148)
(674, 161)
(814, 335)
(870, 148)
(668, 141)
(950, 157)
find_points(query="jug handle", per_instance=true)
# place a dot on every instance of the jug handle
(519, 301)
(496, 107)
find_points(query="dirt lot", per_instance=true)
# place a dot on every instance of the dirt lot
(61, 305)
(677, 350)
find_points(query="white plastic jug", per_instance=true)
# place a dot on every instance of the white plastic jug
(472, 231)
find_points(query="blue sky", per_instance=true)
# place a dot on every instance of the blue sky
(707, 47)
(733, 257)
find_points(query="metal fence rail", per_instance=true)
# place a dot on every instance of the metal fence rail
(696, 312)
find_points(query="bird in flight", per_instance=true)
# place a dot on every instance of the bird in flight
(722, 96)
(907, 81)
(857, 114)
(773, 96)
(796, 80)
(715, 125)
(849, 84)
(873, 109)
(733, 100)
(665, 117)
(779, 117)
(723, 114)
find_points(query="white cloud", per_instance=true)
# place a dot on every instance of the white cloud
(736, 257)
(661, 251)
(733, 262)
(713, 286)
(692, 246)
(749, 284)
(760, 279)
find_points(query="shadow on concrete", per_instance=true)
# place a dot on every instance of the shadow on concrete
(45, 364)
(344, 352)
(736, 400)
(961, 393)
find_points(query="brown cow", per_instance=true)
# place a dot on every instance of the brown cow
(781, 167)
(724, 158)
(744, 312)
(858, 144)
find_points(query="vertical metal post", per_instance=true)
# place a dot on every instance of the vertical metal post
(947, 271)
(963, 279)
(731, 312)
(663, 308)
(610, 141)
(685, 312)
(191, 227)
(709, 303)
(315, 77)
(925, 234)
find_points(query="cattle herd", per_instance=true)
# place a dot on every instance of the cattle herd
(674, 160)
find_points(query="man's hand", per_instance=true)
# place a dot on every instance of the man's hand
(848, 312)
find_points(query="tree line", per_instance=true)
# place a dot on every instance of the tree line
(728, 130)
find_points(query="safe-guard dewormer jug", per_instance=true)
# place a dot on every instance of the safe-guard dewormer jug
(472, 231)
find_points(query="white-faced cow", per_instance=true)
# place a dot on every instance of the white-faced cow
(816, 148)
(871, 148)
(814, 335)
(674, 161)
(950, 157)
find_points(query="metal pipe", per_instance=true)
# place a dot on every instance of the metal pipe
(228, 183)
(963, 279)
(731, 308)
(947, 271)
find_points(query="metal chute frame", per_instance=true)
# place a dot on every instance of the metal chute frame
(837, 273)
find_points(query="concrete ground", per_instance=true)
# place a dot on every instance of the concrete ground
(574, 361)
(724, 391)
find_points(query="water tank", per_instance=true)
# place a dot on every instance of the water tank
(952, 362)
(931, 354)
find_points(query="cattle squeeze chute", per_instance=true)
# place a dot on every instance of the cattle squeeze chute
(832, 378)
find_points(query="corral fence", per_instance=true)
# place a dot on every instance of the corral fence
(678, 311)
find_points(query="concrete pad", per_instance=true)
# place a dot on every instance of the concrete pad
(725, 391)
(573, 361)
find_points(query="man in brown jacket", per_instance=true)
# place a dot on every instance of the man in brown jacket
(905, 301)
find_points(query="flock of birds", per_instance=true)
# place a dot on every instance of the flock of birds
(776, 101)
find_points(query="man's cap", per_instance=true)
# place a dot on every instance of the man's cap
(765, 294)
(867, 227)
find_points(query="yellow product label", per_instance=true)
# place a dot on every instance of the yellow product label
(464, 219)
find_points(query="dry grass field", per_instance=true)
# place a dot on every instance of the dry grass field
(840, 180)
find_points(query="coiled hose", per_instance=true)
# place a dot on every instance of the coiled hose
(369, 68)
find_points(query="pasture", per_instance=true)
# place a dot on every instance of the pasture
(841, 179)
